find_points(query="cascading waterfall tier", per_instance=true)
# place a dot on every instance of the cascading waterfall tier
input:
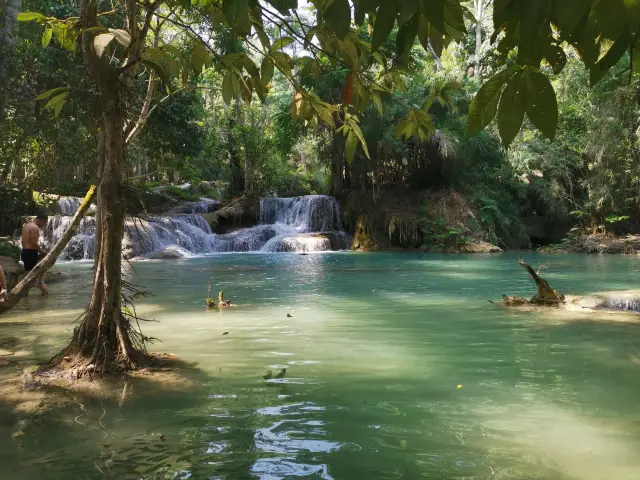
(310, 223)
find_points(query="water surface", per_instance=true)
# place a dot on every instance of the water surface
(397, 367)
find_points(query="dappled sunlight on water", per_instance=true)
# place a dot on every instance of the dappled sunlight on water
(397, 367)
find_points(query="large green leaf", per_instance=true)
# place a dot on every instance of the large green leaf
(56, 103)
(283, 6)
(434, 12)
(350, 146)
(153, 64)
(52, 92)
(338, 17)
(569, 13)
(513, 104)
(30, 16)
(611, 17)
(406, 37)
(227, 87)
(356, 129)
(264, 39)
(122, 36)
(101, 42)
(280, 43)
(542, 106)
(485, 104)
(46, 37)
(614, 52)
(235, 10)
(266, 71)
(199, 56)
(407, 10)
(556, 57)
(385, 19)
(454, 15)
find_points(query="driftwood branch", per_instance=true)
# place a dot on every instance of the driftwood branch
(546, 295)
(49, 260)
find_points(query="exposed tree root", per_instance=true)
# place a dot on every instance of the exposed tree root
(92, 355)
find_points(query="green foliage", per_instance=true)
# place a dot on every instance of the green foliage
(8, 249)
(440, 236)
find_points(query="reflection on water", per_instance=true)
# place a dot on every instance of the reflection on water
(397, 367)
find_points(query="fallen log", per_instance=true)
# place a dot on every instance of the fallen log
(546, 295)
(23, 287)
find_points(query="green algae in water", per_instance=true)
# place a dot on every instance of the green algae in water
(375, 349)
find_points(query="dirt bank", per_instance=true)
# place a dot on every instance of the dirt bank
(436, 221)
(598, 243)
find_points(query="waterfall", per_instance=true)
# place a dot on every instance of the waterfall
(312, 213)
(69, 205)
(302, 224)
(626, 304)
(204, 205)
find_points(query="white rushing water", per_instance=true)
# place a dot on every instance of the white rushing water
(302, 224)
(69, 205)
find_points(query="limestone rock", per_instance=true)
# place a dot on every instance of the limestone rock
(480, 247)
(12, 270)
(167, 254)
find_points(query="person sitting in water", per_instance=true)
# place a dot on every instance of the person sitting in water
(31, 250)
(4, 293)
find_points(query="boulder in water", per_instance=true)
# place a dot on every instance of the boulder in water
(170, 253)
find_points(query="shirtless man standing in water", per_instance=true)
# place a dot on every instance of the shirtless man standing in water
(30, 246)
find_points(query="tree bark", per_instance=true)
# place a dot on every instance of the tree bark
(237, 175)
(105, 339)
(479, 16)
(20, 290)
(7, 41)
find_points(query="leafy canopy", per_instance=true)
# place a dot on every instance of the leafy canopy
(529, 35)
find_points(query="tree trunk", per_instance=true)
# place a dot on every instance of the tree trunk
(49, 260)
(237, 175)
(8, 22)
(104, 339)
(479, 15)
(435, 55)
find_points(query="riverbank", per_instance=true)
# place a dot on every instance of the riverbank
(597, 243)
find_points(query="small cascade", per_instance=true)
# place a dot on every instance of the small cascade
(204, 205)
(625, 304)
(311, 213)
(301, 224)
(69, 206)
